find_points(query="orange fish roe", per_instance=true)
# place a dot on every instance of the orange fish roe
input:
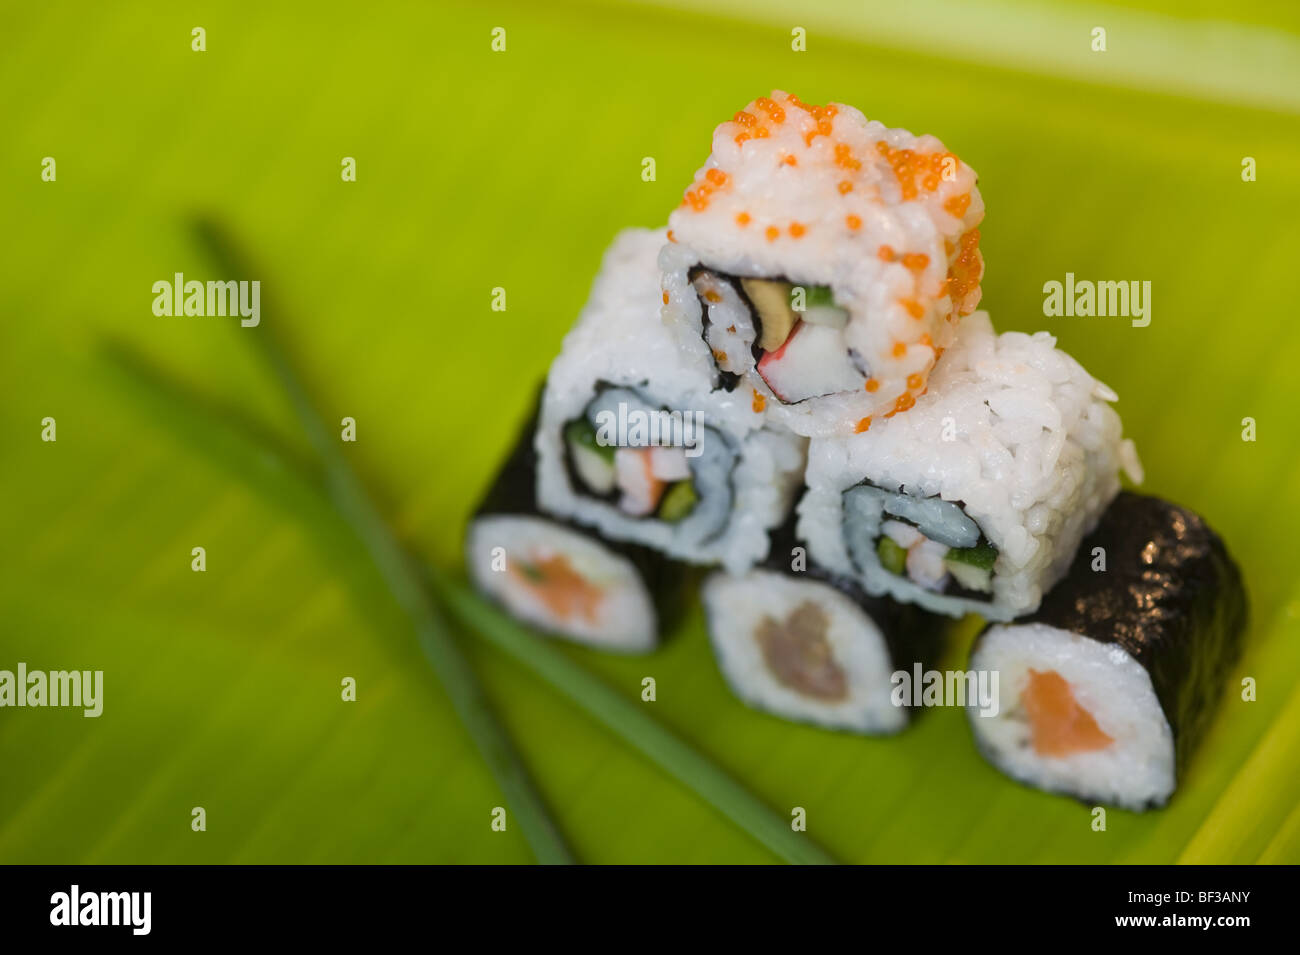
(863, 425)
(759, 402)
(927, 341)
(797, 230)
(853, 222)
(670, 236)
(964, 272)
(742, 219)
(958, 205)
(761, 133)
(885, 254)
(717, 177)
(872, 385)
(774, 111)
(748, 120)
(916, 261)
(914, 308)
(845, 187)
(790, 161)
(719, 355)
(712, 296)
(904, 402)
(742, 138)
(771, 232)
(899, 349)
(844, 157)
(665, 298)
(908, 164)
(914, 381)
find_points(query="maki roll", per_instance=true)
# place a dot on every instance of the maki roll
(807, 645)
(1111, 685)
(560, 577)
(976, 499)
(821, 261)
(634, 441)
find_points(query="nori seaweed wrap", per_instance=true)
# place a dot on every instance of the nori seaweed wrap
(1109, 688)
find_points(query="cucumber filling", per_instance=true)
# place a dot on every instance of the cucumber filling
(654, 480)
(905, 550)
(793, 332)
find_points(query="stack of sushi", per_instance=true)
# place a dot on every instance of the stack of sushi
(791, 385)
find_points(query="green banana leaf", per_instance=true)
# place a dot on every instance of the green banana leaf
(479, 170)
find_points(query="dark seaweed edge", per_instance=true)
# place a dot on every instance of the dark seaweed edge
(513, 493)
(1171, 597)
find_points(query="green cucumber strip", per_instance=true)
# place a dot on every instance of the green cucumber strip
(582, 432)
(892, 556)
(814, 296)
(982, 555)
(678, 501)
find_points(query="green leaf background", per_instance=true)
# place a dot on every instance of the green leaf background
(479, 169)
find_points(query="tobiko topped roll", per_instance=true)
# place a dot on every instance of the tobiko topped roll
(822, 261)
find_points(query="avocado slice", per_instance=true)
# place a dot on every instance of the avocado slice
(775, 316)
(892, 555)
(678, 501)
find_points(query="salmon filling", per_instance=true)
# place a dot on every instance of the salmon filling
(1060, 726)
(564, 591)
(798, 654)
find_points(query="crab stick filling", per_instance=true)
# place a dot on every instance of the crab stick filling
(794, 333)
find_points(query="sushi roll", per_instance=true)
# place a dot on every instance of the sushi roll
(562, 578)
(809, 646)
(976, 499)
(1108, 689)
(634, 441)
(822, 261)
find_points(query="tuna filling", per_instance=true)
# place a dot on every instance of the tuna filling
(799, 656)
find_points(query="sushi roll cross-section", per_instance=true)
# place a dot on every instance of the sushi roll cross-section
(822, 261)
(564, 578)
(1110, 687)
(635, 442)
(805, 645)
(976, 499)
